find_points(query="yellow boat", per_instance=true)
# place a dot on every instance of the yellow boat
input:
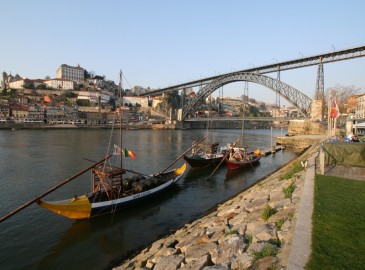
(110, 193)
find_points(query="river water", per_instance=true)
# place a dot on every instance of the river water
(33, 161)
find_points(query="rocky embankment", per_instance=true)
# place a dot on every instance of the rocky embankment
(250, 231)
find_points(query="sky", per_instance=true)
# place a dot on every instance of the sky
(161, 43)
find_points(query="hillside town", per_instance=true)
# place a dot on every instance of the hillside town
(78, 97)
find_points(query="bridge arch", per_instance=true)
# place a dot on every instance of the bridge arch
(292, 95)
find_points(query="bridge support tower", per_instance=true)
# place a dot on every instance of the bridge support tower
(317, 110)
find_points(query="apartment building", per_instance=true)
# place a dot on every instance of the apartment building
(72, 73)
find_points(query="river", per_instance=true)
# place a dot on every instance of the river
(33, 161)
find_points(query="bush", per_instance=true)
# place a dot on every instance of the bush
(288, 191)
(267, 212)
(266, 251)
(295, 167)
(279, 223)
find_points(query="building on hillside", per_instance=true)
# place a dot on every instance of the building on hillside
(60, 84)
(94, 83)
(21, 84)
(143, 101)
(155, 102)
(39, 83)
(76, 74)
(7, 79)
(360, 106)
(351, 104)
(138, 90)
(20, 113)
(94, 97)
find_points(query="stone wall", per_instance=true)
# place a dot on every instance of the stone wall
(305, 127)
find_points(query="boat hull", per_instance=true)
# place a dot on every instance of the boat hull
(81, 207)
(234, 164)
(199, 162)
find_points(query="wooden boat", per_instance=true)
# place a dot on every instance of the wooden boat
(111, 191)
(240, 158)
(204, 155)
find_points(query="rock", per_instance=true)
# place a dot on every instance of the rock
(266, 263)
(169, 262)
(231, 247)
(216, 267)
(193, 253)
(256, 204)
(198, 264)
(242, 261)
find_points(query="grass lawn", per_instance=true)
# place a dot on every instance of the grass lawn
(338, 237)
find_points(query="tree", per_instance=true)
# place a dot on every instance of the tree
(342, 94)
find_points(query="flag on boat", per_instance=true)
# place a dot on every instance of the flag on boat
(116, 150)
(129, 153)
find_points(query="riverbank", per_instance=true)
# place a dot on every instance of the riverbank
(252, 230)
(20, 126)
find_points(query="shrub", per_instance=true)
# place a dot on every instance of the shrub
(295, 167)
(248, 239)
(288, 191)
(279, 223)
(266, 251)
(267, 212)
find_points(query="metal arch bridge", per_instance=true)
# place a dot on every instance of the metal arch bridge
(292, 95)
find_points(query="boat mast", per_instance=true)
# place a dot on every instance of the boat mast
(120, 120)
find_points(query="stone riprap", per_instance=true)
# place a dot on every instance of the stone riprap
(236, 235)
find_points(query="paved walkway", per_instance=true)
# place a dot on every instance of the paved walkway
(302, 239)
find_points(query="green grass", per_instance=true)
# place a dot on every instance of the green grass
(266, 251)
(295, 167)
(338, 237)
(267, 212)
(288, 191)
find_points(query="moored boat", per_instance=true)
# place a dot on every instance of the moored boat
(111, 192)
(240, 158)
(204, 155)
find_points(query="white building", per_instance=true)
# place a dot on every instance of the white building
(93, 96)
(72, 73)
(21, 84)
(64, 84)
(143, 101)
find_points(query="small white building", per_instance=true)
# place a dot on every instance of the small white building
(60, 84)
(20, 84)
(93, 96)
(143, 101)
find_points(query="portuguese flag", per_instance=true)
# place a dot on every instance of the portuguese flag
(129, 153)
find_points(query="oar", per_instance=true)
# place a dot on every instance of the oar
(183, 154)
(225, 156)
(51, 190)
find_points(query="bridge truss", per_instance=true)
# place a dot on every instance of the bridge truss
(294, 96)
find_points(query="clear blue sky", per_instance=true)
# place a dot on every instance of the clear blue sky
(160, 43)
